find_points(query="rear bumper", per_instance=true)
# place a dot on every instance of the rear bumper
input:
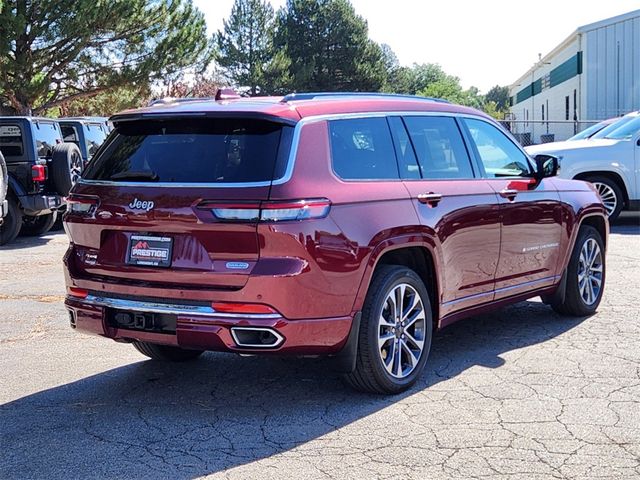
(200, 327)
(37, 204)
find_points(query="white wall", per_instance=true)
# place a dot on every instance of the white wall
(612, 69)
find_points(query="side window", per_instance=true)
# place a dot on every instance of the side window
(11, 140)
(407, 163)
(69, 134)
(361, 149)
(499, 155)
(439, 146)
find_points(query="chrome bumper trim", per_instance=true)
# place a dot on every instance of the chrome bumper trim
(159, 307)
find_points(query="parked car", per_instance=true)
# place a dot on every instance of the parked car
(41, 170)
(321, 224)
(88, 133)
(610, 160)
(593, 129)
(4, 184)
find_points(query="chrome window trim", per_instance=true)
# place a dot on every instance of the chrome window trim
(295, 142)
(159, 307)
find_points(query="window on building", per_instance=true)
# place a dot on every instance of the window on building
(566, 107)
(543, 113)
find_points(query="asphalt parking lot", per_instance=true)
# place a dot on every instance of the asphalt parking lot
(522, 393)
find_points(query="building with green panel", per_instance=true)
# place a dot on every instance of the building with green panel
(594, 74)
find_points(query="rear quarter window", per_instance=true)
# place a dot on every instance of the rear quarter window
(193, 151)
(47, 134)
(11, 140)
(362, 149)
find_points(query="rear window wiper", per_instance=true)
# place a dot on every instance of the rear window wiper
(135, 175)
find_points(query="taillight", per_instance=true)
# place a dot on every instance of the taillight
(77, 292)
(274, 211)
(240, 308)
(82, 205)
(38, 173)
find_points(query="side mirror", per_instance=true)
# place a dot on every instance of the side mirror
(546, 166)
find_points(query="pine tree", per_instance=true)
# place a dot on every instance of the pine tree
(55, 51)
(245, 47)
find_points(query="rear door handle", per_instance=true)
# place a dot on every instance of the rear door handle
(509, 193)
(431, 199)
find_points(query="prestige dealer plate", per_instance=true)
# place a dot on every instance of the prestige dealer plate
(150, 251)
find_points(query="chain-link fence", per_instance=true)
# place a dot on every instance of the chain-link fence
(529, 132)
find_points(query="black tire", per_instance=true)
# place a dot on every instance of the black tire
(574, 304)
(57, 226)
(614, 189)
(4, 179)
(166, 353)
(35, 226)
(370, 374)
(66, 167)
(10, 228)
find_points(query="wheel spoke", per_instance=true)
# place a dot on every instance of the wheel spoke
(419, 315)
(418, 343)
(415, 300)
(413, 360)
(383, 339)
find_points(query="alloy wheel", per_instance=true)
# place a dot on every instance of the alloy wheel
(401, 331)
(590, 270)
(608, 196)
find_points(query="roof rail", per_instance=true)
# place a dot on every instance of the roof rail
(314, 95)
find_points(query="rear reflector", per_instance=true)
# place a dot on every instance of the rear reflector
(224, 307)
(39, 173)
(271, 211)
(77, 292)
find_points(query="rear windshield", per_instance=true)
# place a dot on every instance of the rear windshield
(193, 151)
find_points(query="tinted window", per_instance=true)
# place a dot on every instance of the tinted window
(407, 163)
(192, 151)
(361, 149)
(69, 134)
(439, 146)
(94, 134)
(499, 155)
(11, 140)
(47, 135)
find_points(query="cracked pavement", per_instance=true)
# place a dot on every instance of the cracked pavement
(521, 393)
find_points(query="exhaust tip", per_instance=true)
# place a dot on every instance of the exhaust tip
(256, 337)
(72, 319)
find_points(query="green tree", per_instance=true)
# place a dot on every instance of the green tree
(105, 103)
(499, 95)
(449, 88)
(53, 52)
(245, 47)
(328, 47)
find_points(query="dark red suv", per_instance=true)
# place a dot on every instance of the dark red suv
(348, 225)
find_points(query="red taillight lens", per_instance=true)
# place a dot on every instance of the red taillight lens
(275, 211)
(77, 292)
(224, 307)
(39, 173)
(81, 205)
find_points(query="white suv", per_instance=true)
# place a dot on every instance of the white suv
(610, 160)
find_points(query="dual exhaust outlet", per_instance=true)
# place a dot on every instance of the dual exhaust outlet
(256, 337)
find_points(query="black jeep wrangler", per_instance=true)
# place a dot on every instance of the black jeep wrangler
(88, 133)
(41, 171)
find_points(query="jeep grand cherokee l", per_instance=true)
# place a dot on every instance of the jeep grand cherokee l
(321, 224)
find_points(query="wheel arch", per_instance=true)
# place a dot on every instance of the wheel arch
(419, 256)
(610, 174)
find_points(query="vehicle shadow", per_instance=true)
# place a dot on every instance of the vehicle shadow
(28, 242)
(184, 421)
(628, 223)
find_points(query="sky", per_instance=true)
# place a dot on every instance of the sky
(484, 43)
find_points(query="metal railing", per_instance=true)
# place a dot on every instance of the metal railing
(532, 132)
